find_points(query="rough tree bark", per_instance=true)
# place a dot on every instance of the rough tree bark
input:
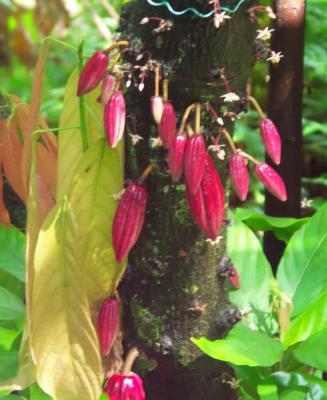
(285, 109)
(172, 290)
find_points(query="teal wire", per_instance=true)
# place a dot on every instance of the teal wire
(193, 10)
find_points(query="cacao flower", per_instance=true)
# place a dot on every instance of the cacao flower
(114, 118)
(167, 125)
(272, 181)
(239, 175)
(194, 162)
(128, 220)
(233, 277)
(207, 204)
(176, 157)
(108, 323)
(125, 387)
(107, 89)
(271, 139)
(92, 72)
(157, 108)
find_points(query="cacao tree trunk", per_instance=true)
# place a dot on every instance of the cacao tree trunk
(171, 290)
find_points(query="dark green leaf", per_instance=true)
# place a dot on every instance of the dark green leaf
(312, 351)
(11, 307)
(8, 364)
(12, 247)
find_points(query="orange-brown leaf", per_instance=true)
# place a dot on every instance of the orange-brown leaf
(47, 168)
(4, 214)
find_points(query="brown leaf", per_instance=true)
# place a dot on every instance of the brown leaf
(47, 168)
(4, 214)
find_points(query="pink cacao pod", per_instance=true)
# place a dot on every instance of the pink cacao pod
(239, 175)
(167, 125)
(108, 323)
(233, 277)
(92, 73)
(114, 118)
(107, 89)
(271, 139)
(128, 220)
(272, 181)
(194, 162)
(125, 387)
(207, 206)
(157, 108)
(176, 157)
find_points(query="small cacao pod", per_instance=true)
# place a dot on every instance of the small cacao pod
(194, 162)
(114, 118)
(272, 181)
(167, 125)
(239, 175)
(125, 387)
(176, 157)
(92, 72)
(108, 323)
(107, 89)
(157, 108)
(128, 220)
(233, 277)
(207, 205)
(271, 139)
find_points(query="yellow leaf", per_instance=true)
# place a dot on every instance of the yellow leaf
(98, 177)
(63, 338)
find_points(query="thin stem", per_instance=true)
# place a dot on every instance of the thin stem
(229, 139)
(121, 43)
(38, 131)
(256, 105)
(185, 117)
(197, 117)
(246, 155)
(157, 80)
(131, 357)
(165, 83)
(146, 173)
(114, 62)
(85, 140)
(52, 39)
(226, 83)
(190, 130)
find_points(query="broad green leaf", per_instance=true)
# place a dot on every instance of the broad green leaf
(293, 395)
(283, 228)
(7, 338)
(63, 339)
(69, 140)
(98, 177)
(12, 246)
(301, 272)
(313, 351)
(11, 307)
(246, 253)
(242, 346)
(268, 392)
(311, 320)
(36, 393)
(8, 364)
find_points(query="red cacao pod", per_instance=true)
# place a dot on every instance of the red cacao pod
(107, 89)
(239, 175)
(108, 323)
(271, 139)
(272, 181)
(167, 125)
(194, 162)
(92, 73)
(233, 277)
(114, 118)
(207, 206)
(176, 157)
(157, 108)
(128, 220)
(125, 387)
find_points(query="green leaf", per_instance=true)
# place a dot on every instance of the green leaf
(312, 351)
(283, 228)
(63, 339)
(12, 247)
(268, 392)
(98, 177)
(311, 320)
(256, 279)
(36, 393)
(8, 364)
(7, 338)
(242, 346)
(293, 395)
(11, 307)
(301, 272)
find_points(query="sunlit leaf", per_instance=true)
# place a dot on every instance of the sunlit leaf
(63, 338)
(311, 351)
(12, 247)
